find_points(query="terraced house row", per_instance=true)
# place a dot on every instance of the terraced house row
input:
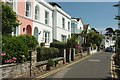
(46, 21)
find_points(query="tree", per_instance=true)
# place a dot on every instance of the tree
(94, 38)
(93, 29)
(117, 32)
(84, 34)
(73, 41)
(109, 31)
(9, 19)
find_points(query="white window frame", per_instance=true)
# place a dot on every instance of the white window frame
(46, 36)
(15, 31)
(63, 23)
(47, 18)
(37, 13)
(68, 25)
(28, 12)
(63, 38)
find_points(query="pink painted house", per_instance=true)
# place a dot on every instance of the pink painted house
(24, 12)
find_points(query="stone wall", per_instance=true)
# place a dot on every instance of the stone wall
(23, 70)
(33, 68)
(13, 70)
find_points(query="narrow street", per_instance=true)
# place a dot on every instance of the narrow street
(95, 66)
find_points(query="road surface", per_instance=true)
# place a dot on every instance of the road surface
(97, 66)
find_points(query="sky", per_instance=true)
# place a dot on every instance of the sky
(99, 15)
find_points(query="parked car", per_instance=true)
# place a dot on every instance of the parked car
(109, 49)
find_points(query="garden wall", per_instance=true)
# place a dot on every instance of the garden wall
(24, 70)
(18, 70)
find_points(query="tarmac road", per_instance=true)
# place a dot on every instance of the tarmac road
(97, 66)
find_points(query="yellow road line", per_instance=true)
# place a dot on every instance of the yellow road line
(56, 70)
(111, 68)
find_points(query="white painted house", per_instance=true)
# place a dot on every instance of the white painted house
(108, 42)
(61, 24)
(42, 23)
(76, 25)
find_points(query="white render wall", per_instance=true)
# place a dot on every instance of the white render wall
(57, 24)
(41, 29)
(62, 32)
(40, 24)
(42, 8)
(80, 23)
(59, 21)
(89, 28)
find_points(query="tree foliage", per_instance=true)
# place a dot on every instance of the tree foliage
(94, 38)
(9, 19)
(117, 32)
(18, 47)
(94, 30)
(109, 31)
(14, 47)
(71, 43)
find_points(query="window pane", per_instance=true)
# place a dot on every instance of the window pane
(46, 14)
(63, 38)
(28, 9)
(27, 6)
(68, 25)
(46, 17)
(46, 37)
(63, 22)
(36, 13)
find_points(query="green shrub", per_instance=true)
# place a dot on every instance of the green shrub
(17, 48)
(13, 47)
(50, 62)
(44, 53)
(30, 41)
(86, 45)
(59, 45)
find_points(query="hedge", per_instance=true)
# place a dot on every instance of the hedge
(44, 53)
(59, 45)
